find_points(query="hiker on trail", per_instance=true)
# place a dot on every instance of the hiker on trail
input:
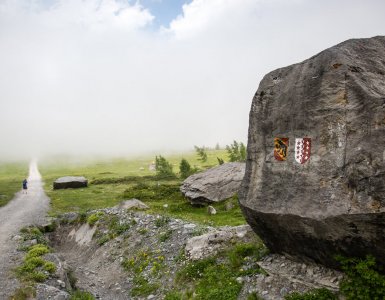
(25, 187)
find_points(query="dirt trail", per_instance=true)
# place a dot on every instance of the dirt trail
(23, 210)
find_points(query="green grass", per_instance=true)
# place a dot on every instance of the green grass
(215, 277)
(11, 177)
(111, 181)
(82, 295)
(316, 294)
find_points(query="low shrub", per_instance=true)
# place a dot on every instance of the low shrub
(34, 265)
(92, 219)
(37, 250)
(362, 279)
(33, 233)
(50, 267)
(82, 295)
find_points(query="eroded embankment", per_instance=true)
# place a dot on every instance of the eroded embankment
(117, 254)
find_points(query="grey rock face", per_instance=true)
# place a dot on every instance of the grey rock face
(334, 203)
(214, 185)
(70, 182)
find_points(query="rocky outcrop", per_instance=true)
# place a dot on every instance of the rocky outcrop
(315, 174)
(214, 185)
(211, 243)
(132, 204)
(70, 182)
(100, 268)
(44, 292)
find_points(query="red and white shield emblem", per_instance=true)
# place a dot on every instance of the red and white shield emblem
(302, 150)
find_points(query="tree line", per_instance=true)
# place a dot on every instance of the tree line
(236, 153)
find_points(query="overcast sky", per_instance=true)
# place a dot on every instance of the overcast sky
(122, 77)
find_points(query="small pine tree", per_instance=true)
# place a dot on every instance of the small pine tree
(217, 147)
(184, 169)
(163, 167)
(236, 151)
(201, 151)
(220, 161)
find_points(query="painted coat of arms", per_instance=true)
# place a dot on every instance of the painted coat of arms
(302, 150)
(281, 146)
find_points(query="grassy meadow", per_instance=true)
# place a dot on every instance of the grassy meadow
(11, 177)
(113, 180)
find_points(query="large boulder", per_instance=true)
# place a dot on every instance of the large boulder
(323, 194)
(70, 182)
(214, 185)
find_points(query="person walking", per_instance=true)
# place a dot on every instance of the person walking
(25, 185)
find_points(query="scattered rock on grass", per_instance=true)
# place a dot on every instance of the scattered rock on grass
(208, 244)
(211, 210)
(214, 185)
(70, 182)
(132, 204)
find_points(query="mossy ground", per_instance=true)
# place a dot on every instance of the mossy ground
(111, 181)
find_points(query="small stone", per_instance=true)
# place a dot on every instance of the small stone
(151, 297)
(239, 280)
(61, 283)
(211, 210)
(189, 226)
(17, 238)
(264, 293)
(268, 279)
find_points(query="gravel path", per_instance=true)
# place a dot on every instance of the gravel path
(23, 210)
